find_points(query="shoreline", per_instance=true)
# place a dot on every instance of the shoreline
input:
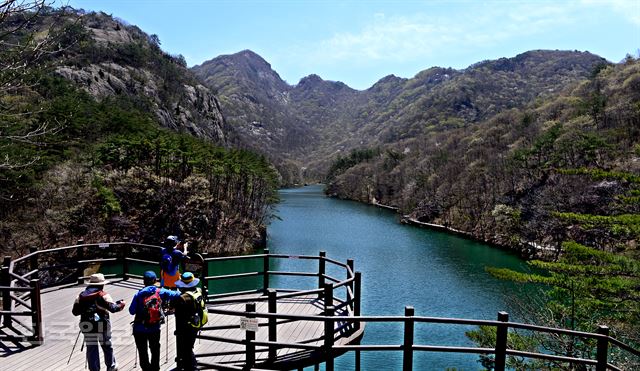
(538, 249)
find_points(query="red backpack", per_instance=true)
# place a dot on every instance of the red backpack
(152, 309)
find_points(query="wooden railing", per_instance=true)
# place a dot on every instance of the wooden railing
(352, 320)
(22, 279)
(341, 299)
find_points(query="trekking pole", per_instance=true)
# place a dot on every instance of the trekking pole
(166, 346)
(86, 360)
(74, 346)
(135, 364)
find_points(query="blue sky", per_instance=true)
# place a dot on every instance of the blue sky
(359, 42)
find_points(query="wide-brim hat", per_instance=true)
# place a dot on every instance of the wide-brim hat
(97, 279)
(187, 279)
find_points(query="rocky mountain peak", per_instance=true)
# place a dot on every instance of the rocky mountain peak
(310, 81)
(125, 61)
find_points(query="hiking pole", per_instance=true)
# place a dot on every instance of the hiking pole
(86, 359)
(166, 345)
(74, 346)
(135, 364)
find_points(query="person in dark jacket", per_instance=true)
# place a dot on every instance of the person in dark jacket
(146, 331)
(93, 305)
(185, 332)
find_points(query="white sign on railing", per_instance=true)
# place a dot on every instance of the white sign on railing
(103, 245)
(249, 324)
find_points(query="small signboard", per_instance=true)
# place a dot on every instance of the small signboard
(103, 245)
(249, 324)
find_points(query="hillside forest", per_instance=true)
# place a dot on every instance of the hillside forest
(105, 136)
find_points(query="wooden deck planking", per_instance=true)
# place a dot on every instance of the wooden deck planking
(61, 329)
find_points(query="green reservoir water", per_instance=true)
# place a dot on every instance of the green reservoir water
(439, 274)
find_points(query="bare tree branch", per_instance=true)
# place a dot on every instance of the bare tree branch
(28, 41)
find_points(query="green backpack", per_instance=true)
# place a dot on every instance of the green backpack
(199, 317)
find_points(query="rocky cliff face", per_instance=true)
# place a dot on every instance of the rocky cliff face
(117, 59)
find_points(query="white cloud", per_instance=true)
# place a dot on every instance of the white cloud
(628, 9)
(421, 36)
(401, 38)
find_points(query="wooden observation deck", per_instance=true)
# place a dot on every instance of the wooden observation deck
(262, 327)
(253, 325)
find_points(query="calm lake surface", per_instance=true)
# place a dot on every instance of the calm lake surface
(438, 274)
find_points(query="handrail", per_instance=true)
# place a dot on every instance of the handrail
(13, 277)
(335, 262)
(348, 321)
(235, 257)
(414, 347)
(624, 346)
(19, 278)
(550, 357)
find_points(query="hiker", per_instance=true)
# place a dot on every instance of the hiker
(191, 315)
(172, 256)
(146, 306)
(93, 305)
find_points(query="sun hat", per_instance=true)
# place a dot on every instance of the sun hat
(97, 279)
(187, 280)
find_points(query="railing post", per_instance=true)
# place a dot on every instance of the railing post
(125, 262)
(349, 276)
(501, 342)
(407, 347)
(357, 290)
(250, 336)
(265, 270)
(328, 295)
(603, 348)
(328, 337)
(273, 331)
(33, 261)
(80, 256)
(205, 274)
(36, 311)
(321, 269)
(5, 280)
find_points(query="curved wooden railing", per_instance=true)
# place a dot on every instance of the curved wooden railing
(353, 320)
(341, 299)
(22, 279)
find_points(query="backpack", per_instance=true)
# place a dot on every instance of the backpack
(199, 317)
(89, 314)
(152, 313)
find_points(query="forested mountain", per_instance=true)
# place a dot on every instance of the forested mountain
(106, 136)
(514, 151)
(309, 124)
(564, 168)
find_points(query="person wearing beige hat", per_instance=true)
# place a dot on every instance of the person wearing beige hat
(93, 305)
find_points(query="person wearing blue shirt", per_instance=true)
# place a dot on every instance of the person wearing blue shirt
(172, 256)
(148, 334)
